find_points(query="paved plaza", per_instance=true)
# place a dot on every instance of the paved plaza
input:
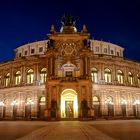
(70, 130)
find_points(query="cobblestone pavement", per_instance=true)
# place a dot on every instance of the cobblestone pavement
(67, 131)
(70, 130)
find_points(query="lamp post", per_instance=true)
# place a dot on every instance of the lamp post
(136, 104)
(30, 103)
(124, 103)
(109, 103)
(14, 111)
(2, 105)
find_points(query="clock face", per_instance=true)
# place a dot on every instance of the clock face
(69, 49)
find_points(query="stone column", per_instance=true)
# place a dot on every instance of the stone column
(12, 78)
(37, 73)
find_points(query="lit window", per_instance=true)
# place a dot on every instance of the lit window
(42, 101)
(7, 79)
(30, 76)
(107, 75)
(96, 100)
(94, 75)
(120, 77)
(43, 75)
(130, 78)
(18, 78)
(109, 100)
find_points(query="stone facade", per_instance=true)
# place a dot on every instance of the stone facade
(69, 76)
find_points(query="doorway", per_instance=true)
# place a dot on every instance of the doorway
(69, 104)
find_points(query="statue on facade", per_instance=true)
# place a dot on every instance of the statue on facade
(68, 20)
(68, 24)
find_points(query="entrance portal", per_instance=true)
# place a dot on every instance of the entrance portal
(69, 104)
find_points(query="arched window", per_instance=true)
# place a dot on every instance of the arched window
(42, 100)
(107, 75)
(123, 106)
(138, 76)
(130, 78)
(110, 106)
(7, 79)
(28, 107)
(109, 99)
(95, 99)
(94, 75)
(96, 104)
(120, 77)
(30, 76)
(43, 75)
(18, 78)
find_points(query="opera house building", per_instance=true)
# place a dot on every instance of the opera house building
(69, 76)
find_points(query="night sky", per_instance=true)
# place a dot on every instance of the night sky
(116, 21)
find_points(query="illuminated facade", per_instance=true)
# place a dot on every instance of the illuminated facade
(69, 75)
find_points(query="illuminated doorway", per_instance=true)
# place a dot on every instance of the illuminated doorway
(69, 104)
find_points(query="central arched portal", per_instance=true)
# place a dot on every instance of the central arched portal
(69, 104)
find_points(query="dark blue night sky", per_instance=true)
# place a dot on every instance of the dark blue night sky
(117, 21)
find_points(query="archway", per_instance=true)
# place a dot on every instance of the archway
(69, 104)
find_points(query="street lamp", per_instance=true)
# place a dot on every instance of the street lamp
(30, 103)
(124, 103)
(109, 103)
(14, 104)
(136, 103)
(2, 105)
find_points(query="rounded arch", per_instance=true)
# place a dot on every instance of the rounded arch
(96, 99)
(96, 105)
(120, 71)
(66, 90)
(69, 104)
(43, 69)
(109, 98)
(107, 70)
(30, 71)
(129, 73)
(42, 99)
(8, 74)
(18, 72)
(94, 69)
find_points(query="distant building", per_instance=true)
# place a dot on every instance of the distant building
(69, 75)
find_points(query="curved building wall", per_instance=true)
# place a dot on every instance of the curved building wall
(112, 77)
(30, 49)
